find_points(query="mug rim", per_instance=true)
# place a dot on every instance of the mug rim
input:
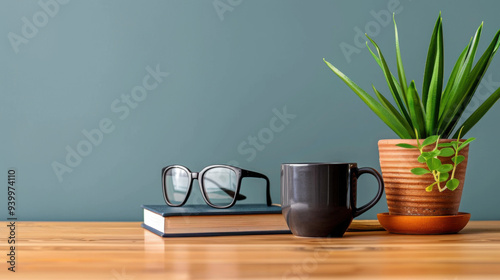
(317, 163)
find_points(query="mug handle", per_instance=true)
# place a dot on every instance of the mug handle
(374, 201)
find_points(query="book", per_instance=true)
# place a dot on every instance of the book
(203, 220)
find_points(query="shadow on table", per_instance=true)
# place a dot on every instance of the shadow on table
(480, 230)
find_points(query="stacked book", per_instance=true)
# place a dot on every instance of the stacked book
(203, 220)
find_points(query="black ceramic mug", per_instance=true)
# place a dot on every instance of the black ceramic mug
(319, 199)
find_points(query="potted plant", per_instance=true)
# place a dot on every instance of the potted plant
(425, 172)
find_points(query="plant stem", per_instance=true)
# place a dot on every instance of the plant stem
(454, 168)
(438, 180)
(418, 141)
(437, 143)
(456, 154)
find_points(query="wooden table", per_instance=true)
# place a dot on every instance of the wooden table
(125, 251)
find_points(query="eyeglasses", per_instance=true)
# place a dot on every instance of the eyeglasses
(219, 184)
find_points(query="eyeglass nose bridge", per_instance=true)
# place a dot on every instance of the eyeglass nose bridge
(194, 175)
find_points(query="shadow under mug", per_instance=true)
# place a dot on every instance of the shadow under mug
(319, 199)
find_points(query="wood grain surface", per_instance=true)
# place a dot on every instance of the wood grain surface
(125, 251)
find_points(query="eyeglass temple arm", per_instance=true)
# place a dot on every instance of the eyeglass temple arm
(248, 173)
(226, 190)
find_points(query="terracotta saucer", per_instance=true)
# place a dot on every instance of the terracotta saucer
(423, 224)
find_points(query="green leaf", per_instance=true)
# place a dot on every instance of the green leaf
(430, 140)
(433, 164)
(394, 80)
(447, 152)
(443, 177)
(452, 184)
(464, 87)
(440, 145)
(393, 110)
(407, 146)
(435, 86)
(429, 188)
(421, 159)
(451, 80)
(445, 168)
(465, 143)
(420, 171)
(472, 82)
(386, 116)
(427, 155)
(431, 154)
(398, 95)
(458, 159)
(401, 71)
(417, 114)
(480, 112)
(431, 58)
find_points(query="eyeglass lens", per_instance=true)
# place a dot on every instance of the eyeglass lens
(220, 185)
(177, 185)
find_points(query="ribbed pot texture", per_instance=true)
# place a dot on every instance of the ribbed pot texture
(405, 192)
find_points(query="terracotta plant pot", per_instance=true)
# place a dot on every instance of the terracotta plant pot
(405, 192)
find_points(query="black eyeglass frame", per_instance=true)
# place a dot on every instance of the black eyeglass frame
(240, 174)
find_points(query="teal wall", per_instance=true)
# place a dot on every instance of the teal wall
(71, 68)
